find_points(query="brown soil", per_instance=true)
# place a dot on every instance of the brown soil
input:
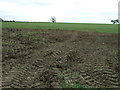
(50, 58)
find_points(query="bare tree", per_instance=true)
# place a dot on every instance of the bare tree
(115, 21)
(53, 19)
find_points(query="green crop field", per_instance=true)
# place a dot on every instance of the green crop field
(109, 28)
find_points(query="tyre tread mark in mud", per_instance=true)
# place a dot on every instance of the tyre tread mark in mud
(111, 77)
(17, 81)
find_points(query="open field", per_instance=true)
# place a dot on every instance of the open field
(109, 28)
(62, 58)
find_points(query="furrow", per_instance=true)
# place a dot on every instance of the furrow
(5, 84)
(114, 83)
(96, 83)
(87, 79)
(16, 85)
(18, 80)
(113, 76)
(108, 72)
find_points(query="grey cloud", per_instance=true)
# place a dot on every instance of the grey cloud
(10, 15)
(108, 13)
(41, 3)
(8, 1)
(35, 3)
(29, 2)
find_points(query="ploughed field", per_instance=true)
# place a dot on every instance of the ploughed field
(35, 58)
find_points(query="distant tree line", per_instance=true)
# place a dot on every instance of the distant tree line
(1, 20)
(7, 21)
(115, 21)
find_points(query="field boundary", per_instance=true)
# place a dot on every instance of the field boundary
(0, 55)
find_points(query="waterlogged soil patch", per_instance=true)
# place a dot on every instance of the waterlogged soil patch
(59, 59)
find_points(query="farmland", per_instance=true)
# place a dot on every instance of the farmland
(60, 55)
(109, 28)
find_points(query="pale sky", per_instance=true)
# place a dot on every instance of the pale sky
(76, 11)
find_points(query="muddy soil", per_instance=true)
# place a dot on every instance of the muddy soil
(59, 59)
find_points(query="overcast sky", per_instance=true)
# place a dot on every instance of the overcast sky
(78, 11)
